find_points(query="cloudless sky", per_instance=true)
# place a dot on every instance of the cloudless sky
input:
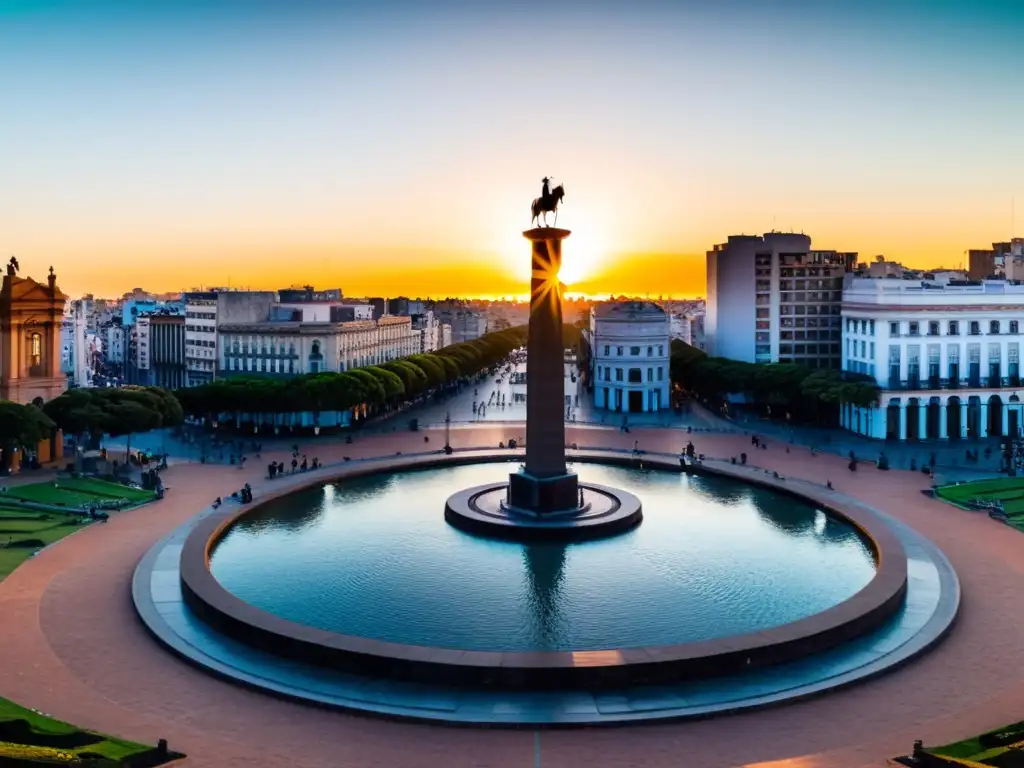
(394, 147)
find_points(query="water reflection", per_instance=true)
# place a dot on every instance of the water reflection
(374, 557)
(545, 571)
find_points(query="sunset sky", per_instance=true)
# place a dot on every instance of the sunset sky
(389, 147)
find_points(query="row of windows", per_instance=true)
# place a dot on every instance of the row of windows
(636, 375)
(934, 351)
(201, 315)
(634, 351)
(201, 328)
(800, 285)
(995, 327)
(263, 365)
(808, 349)
(200, 343)
(790, 309)
(933, 327)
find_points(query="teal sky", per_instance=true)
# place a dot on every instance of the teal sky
(380, 145)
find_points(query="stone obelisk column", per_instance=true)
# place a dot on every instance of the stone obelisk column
(545, 486)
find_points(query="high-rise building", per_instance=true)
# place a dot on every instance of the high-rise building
(774, 299)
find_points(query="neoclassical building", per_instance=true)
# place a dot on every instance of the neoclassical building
(629, 343)
(947, 357)
(292, 348)
(31, 315)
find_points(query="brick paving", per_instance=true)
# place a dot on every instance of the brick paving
(72, 647)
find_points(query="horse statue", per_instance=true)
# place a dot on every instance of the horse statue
(547, 202)
(13, 266)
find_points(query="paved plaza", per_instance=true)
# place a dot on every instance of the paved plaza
(74, 648)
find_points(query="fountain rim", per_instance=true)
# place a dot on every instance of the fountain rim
(863, 612)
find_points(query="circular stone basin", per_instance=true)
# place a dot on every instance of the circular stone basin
(374, 557)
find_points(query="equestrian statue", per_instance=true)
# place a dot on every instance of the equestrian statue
(547, 202)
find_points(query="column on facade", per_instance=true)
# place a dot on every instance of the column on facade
(983, 417)
(1006, 418)
(644, 399)
(943, 426)
(922, 418)
(903, 421)
(963, 417)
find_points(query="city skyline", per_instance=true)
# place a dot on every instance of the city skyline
(394, 150)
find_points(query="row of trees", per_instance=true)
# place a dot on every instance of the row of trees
(88, 414)
(374, 388)
(806, 394)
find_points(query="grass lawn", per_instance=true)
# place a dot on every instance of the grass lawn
(38, 529)
(75, 492)
(114, 749)
(974, 751)
(1008, 490)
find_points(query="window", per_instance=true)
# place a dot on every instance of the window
(661, 350)
(913, 329)
(1013, 327)
(894, 329)
(993, 326)
(618, 374)
(650, 374)
(636, 376)
(36, 350)
(975, 328)
(954, 328)
(650, 351)
(618, 351)
(660, 371)
(607, 350)
(933, 328)
(634, 351)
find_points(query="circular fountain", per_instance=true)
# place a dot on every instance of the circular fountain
(542, 600)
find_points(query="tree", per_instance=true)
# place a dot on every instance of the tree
(22, 426)
(394, 389)
(434, 372)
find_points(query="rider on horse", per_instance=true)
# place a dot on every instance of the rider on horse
(545, 192)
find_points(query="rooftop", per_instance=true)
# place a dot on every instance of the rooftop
(628, 310)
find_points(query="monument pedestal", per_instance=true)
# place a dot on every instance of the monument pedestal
(543, 495)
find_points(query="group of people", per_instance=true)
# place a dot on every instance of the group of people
(276, 468)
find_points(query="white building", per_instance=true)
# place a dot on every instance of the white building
(947, 357)
(445, 336)
(430, 330)
(630, 356)
(292, 348)
(688, 328)
(200, 337)
(204, 311)
(772, 299)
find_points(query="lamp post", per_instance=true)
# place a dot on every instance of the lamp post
(447, 430)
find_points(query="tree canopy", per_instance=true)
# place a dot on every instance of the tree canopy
(91, 412)
(22, 426)
(801, 391)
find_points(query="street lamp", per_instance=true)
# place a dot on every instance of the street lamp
(447, 430)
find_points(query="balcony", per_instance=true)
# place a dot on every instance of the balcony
(933, 384)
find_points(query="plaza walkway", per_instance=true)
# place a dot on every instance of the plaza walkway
(72, 647)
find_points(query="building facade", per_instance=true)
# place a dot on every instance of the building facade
(947, 357)
(204, 310)
(293, 348)
(774, 299)
(630, 356)
(167, 350)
